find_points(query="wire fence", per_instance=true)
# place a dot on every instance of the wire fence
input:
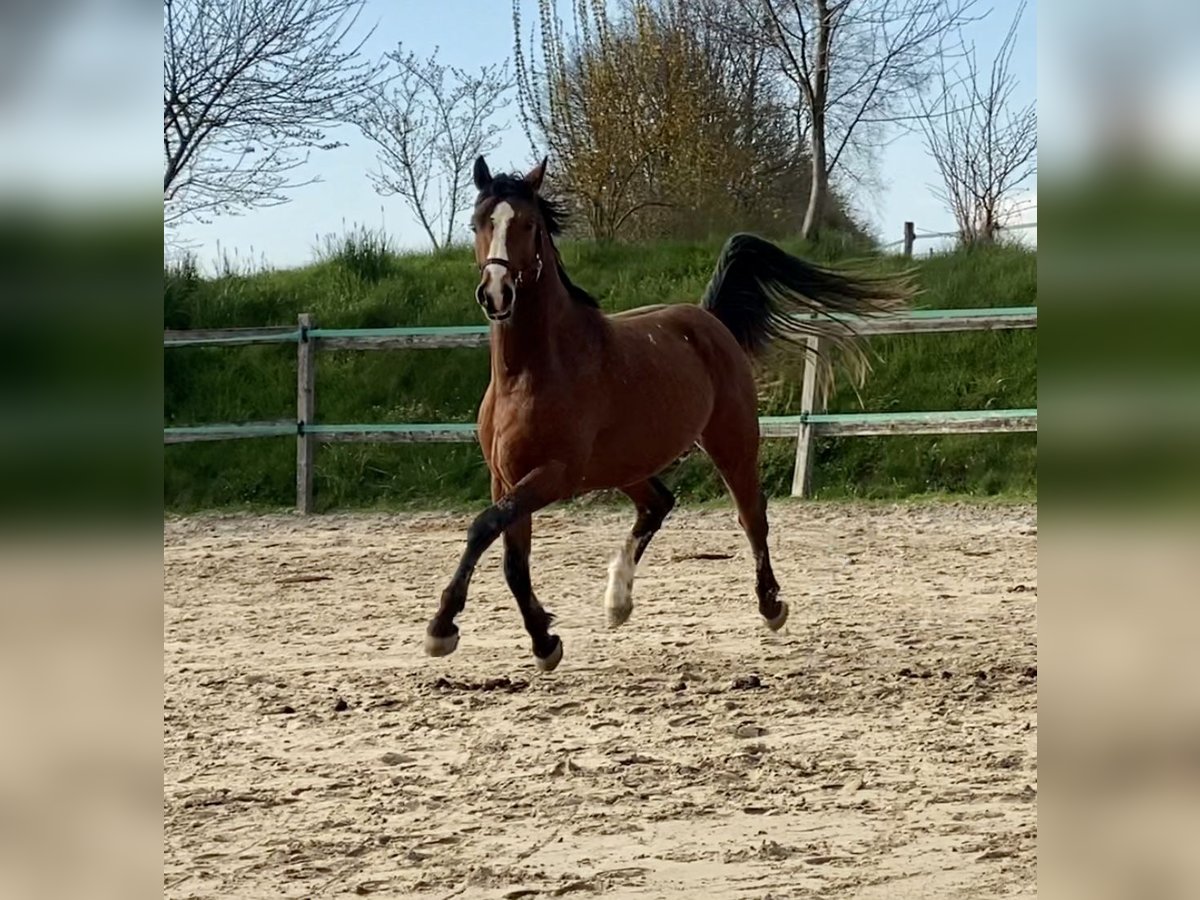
(911, 235)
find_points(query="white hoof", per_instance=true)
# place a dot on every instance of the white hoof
(550, 663)
(618, 596)
(618, 615)
(441, 646)
(778, 622)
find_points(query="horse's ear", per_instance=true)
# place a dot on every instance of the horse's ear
(536, 174)
(483, 177)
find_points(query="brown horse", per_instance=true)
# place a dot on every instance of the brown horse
(580, 401)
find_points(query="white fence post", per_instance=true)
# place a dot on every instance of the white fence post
(810, 401)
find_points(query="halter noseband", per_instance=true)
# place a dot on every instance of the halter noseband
(517, 274)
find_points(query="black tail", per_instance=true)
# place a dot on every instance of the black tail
(762, 293)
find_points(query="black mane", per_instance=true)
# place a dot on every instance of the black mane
(554, 217)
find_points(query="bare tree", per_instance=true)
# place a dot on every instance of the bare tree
(983, 147)
(660, 118)
(249, 88)
(855, 67)
(428, 128)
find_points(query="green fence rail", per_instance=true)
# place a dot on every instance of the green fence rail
(911, 321)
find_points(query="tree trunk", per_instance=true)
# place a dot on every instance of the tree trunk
(818, 192)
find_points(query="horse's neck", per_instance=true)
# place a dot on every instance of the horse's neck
(545, 331)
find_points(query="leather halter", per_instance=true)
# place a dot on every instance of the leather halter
(517, 274)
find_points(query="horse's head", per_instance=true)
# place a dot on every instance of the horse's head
(511, 223)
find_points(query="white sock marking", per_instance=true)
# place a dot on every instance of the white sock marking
(618, 596)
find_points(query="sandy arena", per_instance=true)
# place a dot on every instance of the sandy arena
(884, 745)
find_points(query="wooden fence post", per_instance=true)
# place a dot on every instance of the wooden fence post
(810, 402)
(306, 407)
(910, 237)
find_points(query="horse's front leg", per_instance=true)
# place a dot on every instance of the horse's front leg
(547, 647)
(541, 487)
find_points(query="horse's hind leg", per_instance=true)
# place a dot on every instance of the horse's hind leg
(752, 513)
(518, 538)
(653, 501)
(734, 451)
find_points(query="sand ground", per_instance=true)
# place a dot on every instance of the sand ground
(884, 745)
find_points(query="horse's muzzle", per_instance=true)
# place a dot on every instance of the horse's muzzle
(496, 295)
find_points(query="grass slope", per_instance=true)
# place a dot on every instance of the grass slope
(360, 283)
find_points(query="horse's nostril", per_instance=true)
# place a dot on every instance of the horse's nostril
(480, 296)
(507, 294)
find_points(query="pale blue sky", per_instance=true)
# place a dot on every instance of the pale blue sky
(472, 32)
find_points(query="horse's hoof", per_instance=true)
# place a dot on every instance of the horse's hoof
(778, 622)
(441, 646)
(618, 615)
(550, 662)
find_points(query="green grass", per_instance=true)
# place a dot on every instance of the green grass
(359, 281)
